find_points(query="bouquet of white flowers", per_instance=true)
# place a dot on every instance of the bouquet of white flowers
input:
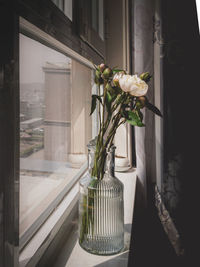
(122, 100)
(101, 208)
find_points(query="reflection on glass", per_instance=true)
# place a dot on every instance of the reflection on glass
(55, 126)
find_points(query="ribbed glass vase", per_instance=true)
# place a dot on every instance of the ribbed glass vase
(101, 209)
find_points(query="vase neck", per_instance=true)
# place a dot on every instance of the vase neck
(109, 163)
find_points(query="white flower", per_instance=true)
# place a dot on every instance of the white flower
(133, 85)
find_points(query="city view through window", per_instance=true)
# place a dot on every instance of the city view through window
(55, 125)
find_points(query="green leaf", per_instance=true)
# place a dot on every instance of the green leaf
(94, 102)
(93, 106)
(109, 97)
(134, 119)
(99, 98)
(116, 70)
(153, 108)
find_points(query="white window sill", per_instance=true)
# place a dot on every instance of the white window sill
(119, 260)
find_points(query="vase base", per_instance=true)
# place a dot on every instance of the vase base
(102, 248)
(99, 253)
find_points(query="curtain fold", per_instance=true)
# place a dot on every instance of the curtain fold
(142, 61)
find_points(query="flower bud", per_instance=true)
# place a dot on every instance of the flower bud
(116, 82)
(145, 76)
(141, 101)
(98, 79)
(107, 73)
(102, 67)
(97, 74)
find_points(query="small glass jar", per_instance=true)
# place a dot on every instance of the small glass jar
(101, 208)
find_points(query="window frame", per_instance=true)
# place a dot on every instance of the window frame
(43, 21)
(47, 18)
(35, 33)
(9, 130)
(50, 19)
(85, 29)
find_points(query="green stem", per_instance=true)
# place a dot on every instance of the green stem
(84, 223)
(87, 216)
(100, 153)
(99, 109)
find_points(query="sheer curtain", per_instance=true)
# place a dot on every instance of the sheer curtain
(142, 61)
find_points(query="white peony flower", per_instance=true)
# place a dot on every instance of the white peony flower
(133, 85)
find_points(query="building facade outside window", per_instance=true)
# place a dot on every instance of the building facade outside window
(55, 126)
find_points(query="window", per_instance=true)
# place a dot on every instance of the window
(42, 18)
(91, 27)
(58, 31)
(65, 6)
(97, 15)
(55, 127)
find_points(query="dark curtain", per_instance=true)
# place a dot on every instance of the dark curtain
(181, 87)
(178, 33)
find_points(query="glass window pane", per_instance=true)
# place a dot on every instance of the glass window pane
(101, 19)
(55, 126)
(59, 3)
(65, 6)
(95, 15)
(68, 8)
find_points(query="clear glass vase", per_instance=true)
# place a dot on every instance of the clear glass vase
(101, 209)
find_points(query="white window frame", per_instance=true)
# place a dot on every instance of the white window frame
(29, 29)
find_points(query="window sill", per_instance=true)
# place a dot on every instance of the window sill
(36, 247)
(44, 195)
(71, 252)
